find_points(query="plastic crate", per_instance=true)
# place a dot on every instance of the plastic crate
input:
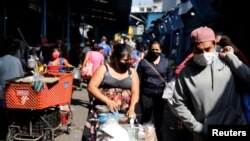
(57, 69)
(23, 96)
(54, 68)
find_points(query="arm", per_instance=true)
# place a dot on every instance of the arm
(240, 69)
(141, 55)
(66, 63)
(86, 58)
(21, 72)
(169, 74)
(134, 94)
(242, 57)
(109, 52)
(180, 104)
(93, 88)
(139, 70)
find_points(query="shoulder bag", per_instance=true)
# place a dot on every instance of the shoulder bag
(87, 68)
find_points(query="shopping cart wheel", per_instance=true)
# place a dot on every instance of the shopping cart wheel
(68, 129)
(47, 136)
(10, 135)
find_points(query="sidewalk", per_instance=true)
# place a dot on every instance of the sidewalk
(79, 105)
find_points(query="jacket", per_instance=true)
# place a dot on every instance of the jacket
(207, 95)
(150, 82)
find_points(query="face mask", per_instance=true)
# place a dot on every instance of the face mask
(204, 59)
(154, 55)
(55, 55)
(124, 66)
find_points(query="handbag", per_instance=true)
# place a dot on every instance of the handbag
(168, 89)
(87, 69)
(160, 76)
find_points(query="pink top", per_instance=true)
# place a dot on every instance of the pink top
(96, 58)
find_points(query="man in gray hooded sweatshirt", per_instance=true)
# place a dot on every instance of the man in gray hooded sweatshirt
(205, 92)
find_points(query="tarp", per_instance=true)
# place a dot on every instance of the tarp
(204, 10)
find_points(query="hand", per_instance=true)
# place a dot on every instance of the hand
(224, 51)
(131, 113)
(113, 106)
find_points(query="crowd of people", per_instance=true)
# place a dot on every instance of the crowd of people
(210, 84)
(206, 89)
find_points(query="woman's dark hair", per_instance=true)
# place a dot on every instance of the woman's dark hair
(95, 48)
(9, 46)
(150, 46)
(154, 42)
(120, 50)
(140, 47)
(52, 49)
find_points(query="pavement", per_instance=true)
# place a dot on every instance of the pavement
(79, 107)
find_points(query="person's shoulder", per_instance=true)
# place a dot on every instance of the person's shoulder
(143, 61)
(133, 72)
(99, 53)
(188, 68)
(86, 49)
(163, 58)
(132, 69)
(11, 57)
(102, 67)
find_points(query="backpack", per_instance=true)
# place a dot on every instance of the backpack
(87, 69)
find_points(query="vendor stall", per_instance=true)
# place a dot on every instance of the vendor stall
(39, 105)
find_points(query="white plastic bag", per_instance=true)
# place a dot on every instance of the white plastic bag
(169, 91)
(112, 128)
(168, 94)
(150, 134)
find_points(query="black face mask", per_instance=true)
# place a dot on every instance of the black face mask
(124, 66)
(154, 55)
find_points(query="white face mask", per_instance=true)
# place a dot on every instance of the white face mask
(204, 59)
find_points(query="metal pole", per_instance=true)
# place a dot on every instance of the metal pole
(44, 19)
(4, 21)
(68, 27)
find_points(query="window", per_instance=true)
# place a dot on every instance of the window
(149, 9)
(141, 9)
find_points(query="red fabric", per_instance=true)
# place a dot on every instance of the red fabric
(183, 64)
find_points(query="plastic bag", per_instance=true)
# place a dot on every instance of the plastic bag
(104, 117)
(168, 94)
(112, 128)
(150, 134)
(169, 90)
